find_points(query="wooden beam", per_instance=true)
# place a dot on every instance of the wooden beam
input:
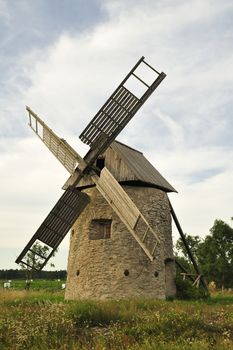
(58, 146)
(190, 254)
(127, 211)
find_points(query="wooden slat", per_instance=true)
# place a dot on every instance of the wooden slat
(58, 222)
(66, 155)
(110, 116)
(110, 124)
(101, 118)
(108, 107)
(110, 120)
(115, 194)
(104, 115)
(127, 211)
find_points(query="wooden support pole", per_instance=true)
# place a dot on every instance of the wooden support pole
(190, 254)
(184, 270)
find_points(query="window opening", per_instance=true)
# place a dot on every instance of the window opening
(100, 229)
(100, 163)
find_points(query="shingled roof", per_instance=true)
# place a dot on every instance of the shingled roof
(141, 167)
(129, 167)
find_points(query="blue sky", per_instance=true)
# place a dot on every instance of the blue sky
(64, 58)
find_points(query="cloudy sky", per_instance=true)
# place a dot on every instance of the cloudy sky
(64, 58)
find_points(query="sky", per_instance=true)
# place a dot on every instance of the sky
(64, 59)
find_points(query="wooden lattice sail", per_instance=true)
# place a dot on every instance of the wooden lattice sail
(99, 134)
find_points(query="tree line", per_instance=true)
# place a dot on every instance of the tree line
(214, 254)
(20, 274)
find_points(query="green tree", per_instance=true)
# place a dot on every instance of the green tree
(182, 256)
(193, 243)
(215, 254)
(34, 259)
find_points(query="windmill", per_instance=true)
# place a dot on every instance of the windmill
(99, 134)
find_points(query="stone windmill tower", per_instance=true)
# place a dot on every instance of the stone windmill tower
(115, 203)
(105, 260)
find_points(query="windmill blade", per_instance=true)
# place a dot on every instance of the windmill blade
(59, 147)
(127, 211)
(117, 112)
(99, 134)
(56, 225)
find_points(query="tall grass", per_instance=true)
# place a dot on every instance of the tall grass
(42, 320)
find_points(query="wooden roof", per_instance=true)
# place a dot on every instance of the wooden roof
(128, 165)
(141, 167)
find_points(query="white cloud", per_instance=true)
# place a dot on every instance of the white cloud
(4, 12)
(183, 128)
(173, 127)
(200, 200)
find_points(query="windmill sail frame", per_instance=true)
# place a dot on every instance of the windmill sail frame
(117, 111)
(68, 157)
(99, 134)
(56, 225)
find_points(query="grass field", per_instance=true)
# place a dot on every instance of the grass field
(36, 284)
(41, 319)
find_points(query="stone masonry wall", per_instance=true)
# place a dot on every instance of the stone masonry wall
(97, 268)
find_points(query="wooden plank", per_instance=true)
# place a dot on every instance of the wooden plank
(190, 254)
(110, 120)
(58, 146)
(60, 150)
(100, 119)
(124, 207)
(58, 222)
(117, 197)
(106, 107)
(110, 116)
(111, 109)
(121, 112)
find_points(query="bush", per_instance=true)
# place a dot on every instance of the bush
(186, 291)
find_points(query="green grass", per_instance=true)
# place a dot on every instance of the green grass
(44, 320)
(221, 299)
(36, 284)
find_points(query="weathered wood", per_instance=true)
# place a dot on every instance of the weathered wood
(190, 254)
(126, 165)
(58, 222)
(106, 184)
(196, 281)
(99, 134)
(59, 147)
(127, 211)
(115, 114)
(182, 268)
(114, 193)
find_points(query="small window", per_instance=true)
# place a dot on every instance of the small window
(100, 229)
(100, 163)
